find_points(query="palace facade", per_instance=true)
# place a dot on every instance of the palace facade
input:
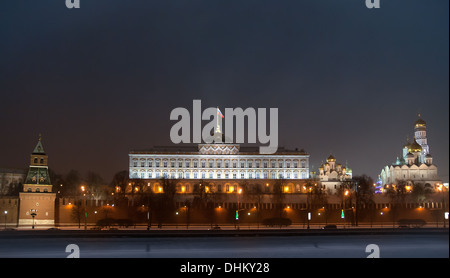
(216, 162)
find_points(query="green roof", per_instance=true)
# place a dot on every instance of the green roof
(39, 149)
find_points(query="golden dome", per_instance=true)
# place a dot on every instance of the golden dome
(420, 123)
(331, 158)
(414, 147)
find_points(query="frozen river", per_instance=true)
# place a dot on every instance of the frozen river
(322, 246)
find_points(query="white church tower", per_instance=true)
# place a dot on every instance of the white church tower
(420, 134)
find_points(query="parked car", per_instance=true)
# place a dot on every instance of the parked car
(329, 227)
(215, 228)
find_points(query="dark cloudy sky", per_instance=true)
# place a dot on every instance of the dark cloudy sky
(101, 80)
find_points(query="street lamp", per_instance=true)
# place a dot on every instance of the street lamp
(33, 214)
(6, 213)
(237, 211)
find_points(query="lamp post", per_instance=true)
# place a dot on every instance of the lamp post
(381, 213)
(6, 213)
(308, 202)
(33, 214)
(238, 206)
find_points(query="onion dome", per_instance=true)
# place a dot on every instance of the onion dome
(414, 147)
(331, 158)
(420, 123)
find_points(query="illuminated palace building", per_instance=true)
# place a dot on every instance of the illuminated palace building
(218, 162)
(224, 167)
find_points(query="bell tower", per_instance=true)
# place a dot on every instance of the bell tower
(420, 134)
(37, 202)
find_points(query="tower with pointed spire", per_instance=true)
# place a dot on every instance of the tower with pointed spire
(37, 202)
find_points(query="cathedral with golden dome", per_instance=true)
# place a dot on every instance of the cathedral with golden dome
(415, 166)
(332, 174)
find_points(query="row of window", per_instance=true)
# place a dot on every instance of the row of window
(218, 175)
(219, 164)
(37, 190)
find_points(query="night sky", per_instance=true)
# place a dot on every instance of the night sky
(101, 80)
